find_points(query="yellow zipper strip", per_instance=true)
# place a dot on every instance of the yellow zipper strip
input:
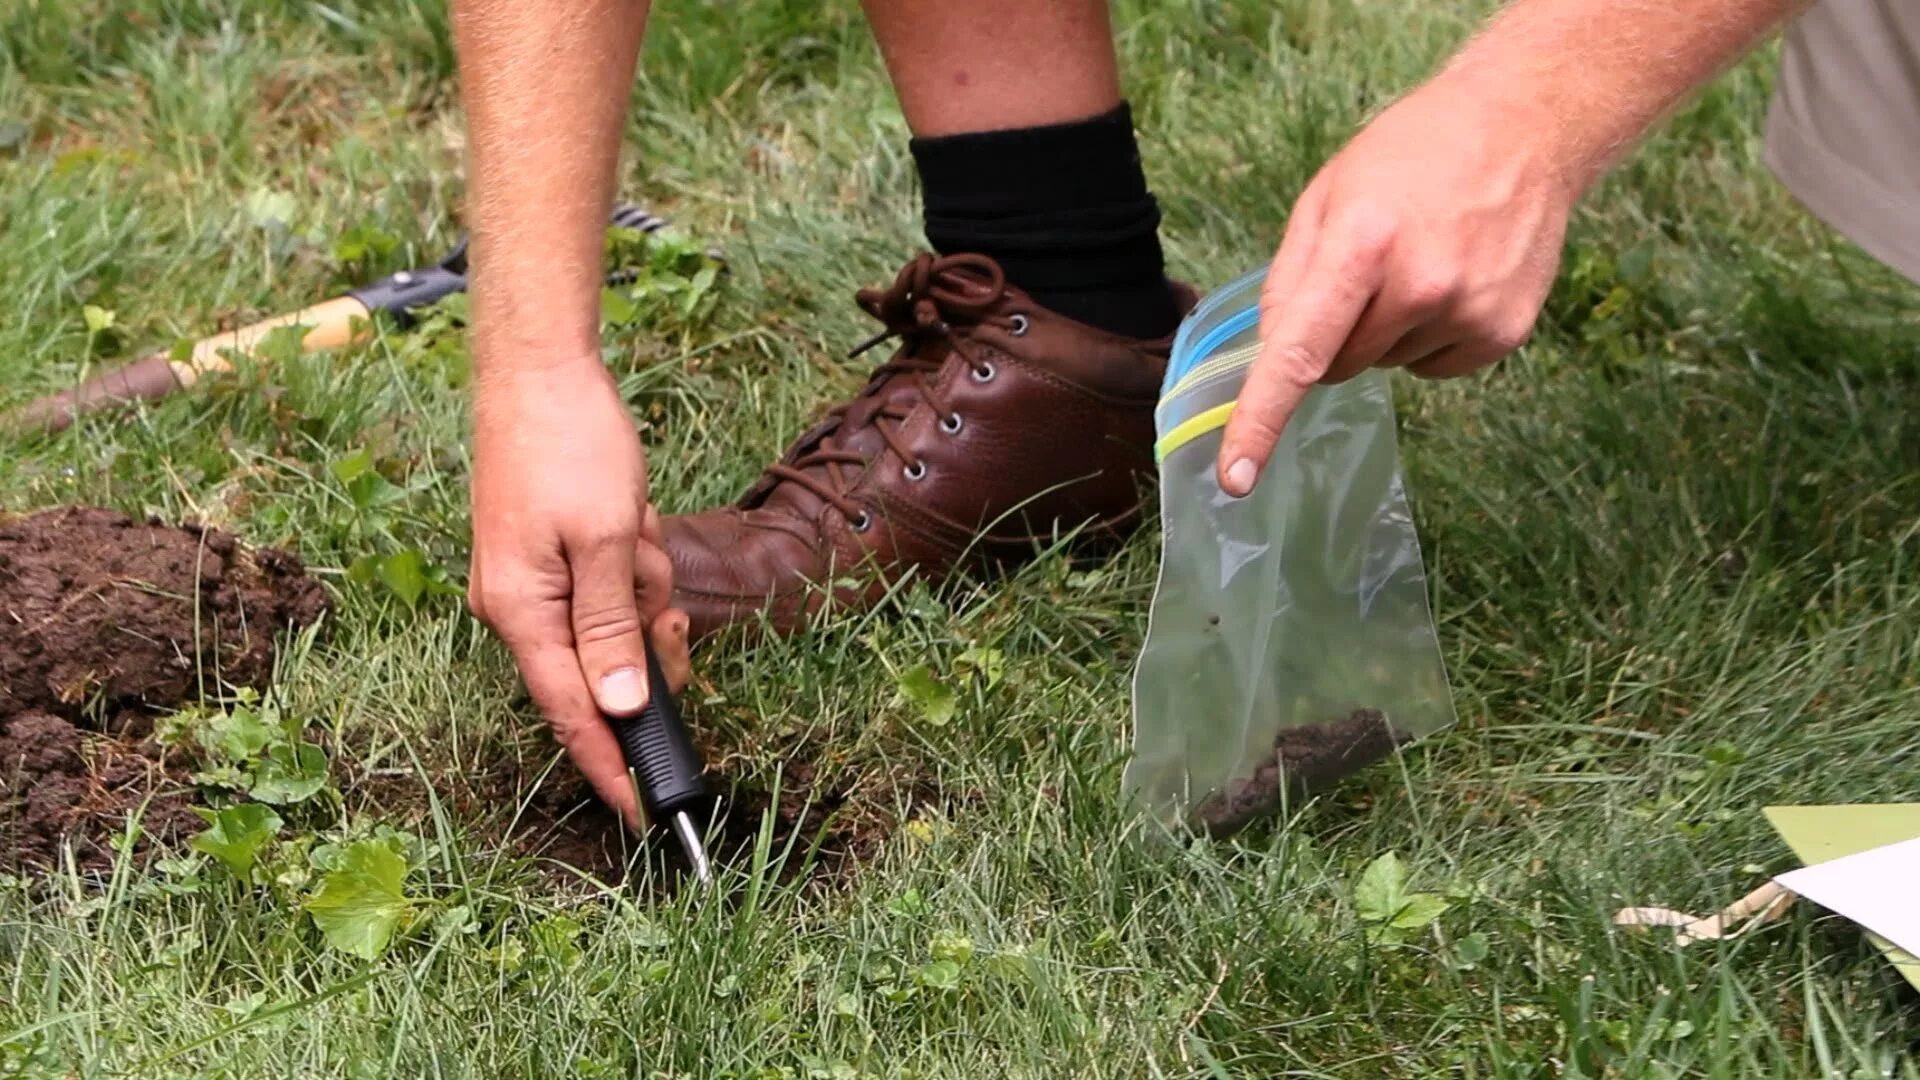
(1192, 428)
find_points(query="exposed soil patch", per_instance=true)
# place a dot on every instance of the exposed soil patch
(61, 783)
(103, 621)
(567, 832)
(100, 613)
(1306, 758)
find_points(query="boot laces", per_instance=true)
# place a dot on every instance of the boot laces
(920, 308)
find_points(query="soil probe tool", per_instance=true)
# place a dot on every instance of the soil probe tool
(343, 320)
(666, 770)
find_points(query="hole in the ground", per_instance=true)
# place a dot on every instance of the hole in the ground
(556, 822)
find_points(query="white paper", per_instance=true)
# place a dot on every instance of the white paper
(1879, 889)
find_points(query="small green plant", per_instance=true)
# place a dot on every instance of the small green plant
(404, 572)
(1391, 912)
(234, 836)
(667, 282)
(251, 749)
(362, 901)
(103, 336)
(933, 700)
(362, 247)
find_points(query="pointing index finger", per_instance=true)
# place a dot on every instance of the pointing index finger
(1300, 334)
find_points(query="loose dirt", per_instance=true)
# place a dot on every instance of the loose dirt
(101, 613)
(58, 782)
(105, 620)
(1306, 758)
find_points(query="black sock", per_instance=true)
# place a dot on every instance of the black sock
(1065, 211)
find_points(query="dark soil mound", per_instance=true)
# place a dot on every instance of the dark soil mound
(100, 613)
(102, 620)
(59, 782)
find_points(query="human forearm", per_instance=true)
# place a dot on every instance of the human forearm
(545, 83)
(1594, 75)
(564, 567)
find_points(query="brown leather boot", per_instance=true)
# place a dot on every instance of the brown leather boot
(996, 428)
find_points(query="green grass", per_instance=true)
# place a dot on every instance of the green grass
(1675, 553)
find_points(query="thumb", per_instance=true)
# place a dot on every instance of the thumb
(607, 626)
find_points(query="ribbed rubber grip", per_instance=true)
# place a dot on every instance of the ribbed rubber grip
(658, 749)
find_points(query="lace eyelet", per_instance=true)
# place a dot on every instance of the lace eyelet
(915, 471)
(985, 373)
(1020, 324)
(861, 522)
(951, 423)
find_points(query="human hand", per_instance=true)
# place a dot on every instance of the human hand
(568, 566)
(1428, 243)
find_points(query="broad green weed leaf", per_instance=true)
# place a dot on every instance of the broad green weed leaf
(363, 242)
(909, 905)
(941, 975)
(703, 281)
(346, 469)
(267, 208)
(948, 945)
(405, 573)
(282, 344)
(1472, 951)
(359, 905)
(236, 834)
(455, 921)
(617, 307)
(230, 777)
(1419, 912)
(933, 699)
(1382, 890)
(364, 570)
(987, 665)
(98, 318)
(290, 774)
(370, 490)
(556, 940)
(238, 735)
(456, 307)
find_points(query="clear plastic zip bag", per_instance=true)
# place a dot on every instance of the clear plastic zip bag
(1290, 641)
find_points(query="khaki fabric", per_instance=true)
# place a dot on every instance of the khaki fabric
(1844, 131)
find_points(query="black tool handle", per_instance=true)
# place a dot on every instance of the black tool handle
(658, 749)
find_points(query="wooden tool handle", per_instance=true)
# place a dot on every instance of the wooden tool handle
(330, 323)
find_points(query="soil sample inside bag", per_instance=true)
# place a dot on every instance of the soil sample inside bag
(1306, 758)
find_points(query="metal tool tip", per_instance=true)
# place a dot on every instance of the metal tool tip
(690, 843)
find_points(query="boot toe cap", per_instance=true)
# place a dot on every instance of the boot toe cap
(728, 566)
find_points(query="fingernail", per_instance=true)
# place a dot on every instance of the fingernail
(623, 690)
(1240, 477)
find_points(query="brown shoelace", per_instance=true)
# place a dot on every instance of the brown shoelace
(917, 308)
